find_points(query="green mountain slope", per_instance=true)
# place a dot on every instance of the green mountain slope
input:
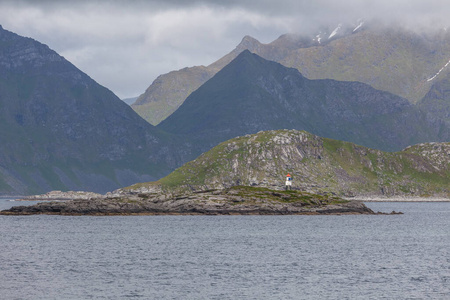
(318, 165)
(160, 99)
(59, 129)
(252, 94)
(389, 59)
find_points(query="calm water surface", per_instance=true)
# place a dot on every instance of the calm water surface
(229, 257)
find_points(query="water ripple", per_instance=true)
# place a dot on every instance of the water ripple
(229, 257)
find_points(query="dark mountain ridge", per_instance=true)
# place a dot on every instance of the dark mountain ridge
(59, 129)
(252, 94)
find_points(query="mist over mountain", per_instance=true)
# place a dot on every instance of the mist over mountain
(252, 94)
(59, 129)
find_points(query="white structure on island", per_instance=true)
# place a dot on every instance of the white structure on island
(288, 182)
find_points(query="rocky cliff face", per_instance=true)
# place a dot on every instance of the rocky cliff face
(252, 94)
(60, 130)
(389, 59)
(317, 165)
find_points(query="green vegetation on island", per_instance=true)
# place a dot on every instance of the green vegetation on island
(317, 165)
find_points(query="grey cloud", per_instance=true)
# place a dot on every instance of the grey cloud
(125, 45)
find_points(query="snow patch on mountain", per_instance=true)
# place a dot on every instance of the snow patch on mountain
(431, 78)
(359, 26)
(318, 38)
(335, 31)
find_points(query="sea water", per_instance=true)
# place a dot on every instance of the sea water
(229, 257)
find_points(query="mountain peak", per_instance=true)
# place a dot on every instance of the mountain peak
(248, 65)
(248, 42)
(246, 54)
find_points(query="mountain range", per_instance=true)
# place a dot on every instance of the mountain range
(60, 130)
(393, 59)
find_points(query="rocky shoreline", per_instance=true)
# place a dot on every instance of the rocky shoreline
(232, 201)
(397, 199)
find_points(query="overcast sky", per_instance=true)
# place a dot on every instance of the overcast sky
(125, 45)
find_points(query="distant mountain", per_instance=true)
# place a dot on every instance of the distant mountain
(387, 58)
(130, 101)
(252, 94)
(436, 104)
(164, 96)
(391, 59)
(59, 129)
(317, 165)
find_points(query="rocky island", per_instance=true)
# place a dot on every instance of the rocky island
(237, 200)
(245, 175)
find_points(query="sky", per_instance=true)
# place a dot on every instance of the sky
(125, 45)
